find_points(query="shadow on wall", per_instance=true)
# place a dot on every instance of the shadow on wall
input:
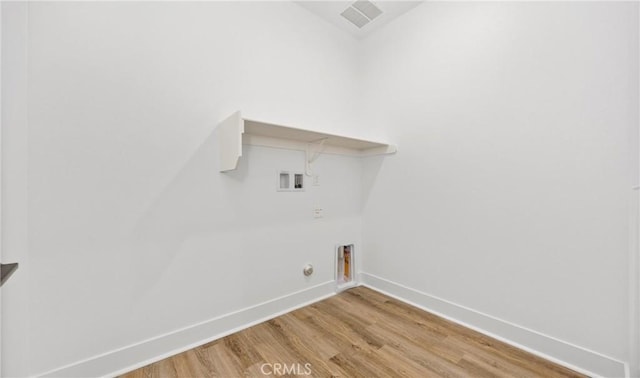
(372, 166)
(193, 203)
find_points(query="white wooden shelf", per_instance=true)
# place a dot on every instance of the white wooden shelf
(235, 131)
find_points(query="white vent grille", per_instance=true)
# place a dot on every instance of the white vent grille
(361, 13)
(355, 17)
(367, 8)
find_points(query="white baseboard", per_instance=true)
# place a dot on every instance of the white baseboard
(550, 348)
(131, 357)
(134, 356)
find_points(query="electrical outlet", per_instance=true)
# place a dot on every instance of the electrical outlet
(318, 212)
(316, 180)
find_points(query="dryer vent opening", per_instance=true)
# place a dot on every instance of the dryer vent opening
(345, 266)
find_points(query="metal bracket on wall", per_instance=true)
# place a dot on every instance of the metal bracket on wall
(6, 270)
(311, 157)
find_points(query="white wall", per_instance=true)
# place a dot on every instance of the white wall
(132, 231)
(510, 194)
(15, 295)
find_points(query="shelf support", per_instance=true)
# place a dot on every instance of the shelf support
(311, 157)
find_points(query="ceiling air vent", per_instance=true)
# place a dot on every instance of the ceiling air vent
(361, 13)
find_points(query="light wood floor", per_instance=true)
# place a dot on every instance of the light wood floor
(358, 333)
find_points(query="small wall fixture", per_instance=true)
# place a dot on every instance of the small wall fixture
(290, 181)
(307, 270)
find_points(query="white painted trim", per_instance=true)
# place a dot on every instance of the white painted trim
(137, 355)
(134, 356)
(1, 128)
(561, 352)
(634, 284)
(15, 177)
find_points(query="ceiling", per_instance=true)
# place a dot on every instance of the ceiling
(331, 11)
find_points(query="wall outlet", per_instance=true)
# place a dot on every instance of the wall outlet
(298, 181)
(284, 181)
(316, 180)
(318, 212)
(290, 181)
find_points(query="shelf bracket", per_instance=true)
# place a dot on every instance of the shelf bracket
(310, 156)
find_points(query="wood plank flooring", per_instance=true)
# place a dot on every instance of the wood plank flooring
(357, 333)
